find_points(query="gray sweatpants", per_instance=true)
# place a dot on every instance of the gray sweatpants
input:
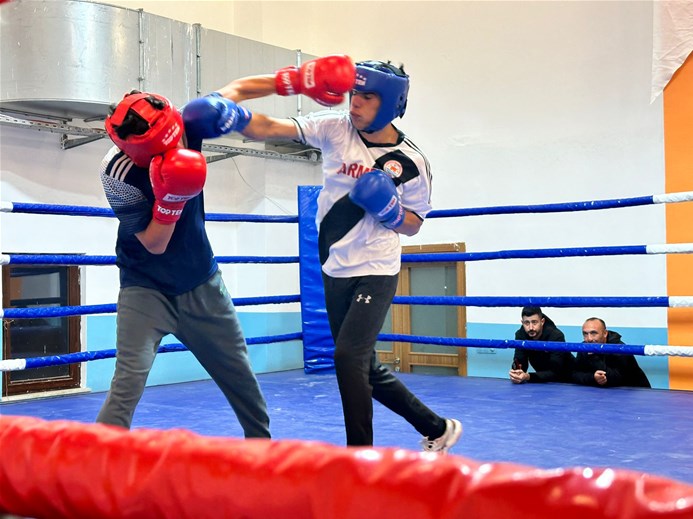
(205, 320)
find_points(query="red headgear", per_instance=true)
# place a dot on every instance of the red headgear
(165, 128)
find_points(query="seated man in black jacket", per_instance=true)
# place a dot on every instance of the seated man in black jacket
(606, 369)
(549, 366)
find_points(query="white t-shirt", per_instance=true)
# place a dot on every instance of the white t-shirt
(351, 243)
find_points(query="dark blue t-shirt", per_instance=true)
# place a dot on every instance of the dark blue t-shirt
(188, 260)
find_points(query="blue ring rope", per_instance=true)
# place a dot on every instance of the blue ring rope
(80, 259)
(524, 253)
(57, 311)
(69, 210)
(77, 259)
(544, 208)
(60, 259)
(552, 302)
(543, 253)
(64, 210)
(225, 217)
(67, 311)
(527, 345)
(75, 210)
(257, 259)
(84, 356)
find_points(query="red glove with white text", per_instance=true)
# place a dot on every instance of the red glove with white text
(176, 176)
(324, 80)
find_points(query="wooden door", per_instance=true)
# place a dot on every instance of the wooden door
(428, 279)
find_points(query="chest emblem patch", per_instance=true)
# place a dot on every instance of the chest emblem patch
(394, 168)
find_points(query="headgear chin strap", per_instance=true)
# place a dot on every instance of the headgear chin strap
(392, 86)
(164, 133)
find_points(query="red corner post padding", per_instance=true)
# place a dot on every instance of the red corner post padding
(73, 470)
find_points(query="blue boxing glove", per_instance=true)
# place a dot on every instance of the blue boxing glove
(213, 115)
(375, 192)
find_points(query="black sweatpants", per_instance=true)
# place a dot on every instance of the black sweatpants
(356, 309)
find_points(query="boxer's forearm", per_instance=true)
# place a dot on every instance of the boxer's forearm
(250, 87)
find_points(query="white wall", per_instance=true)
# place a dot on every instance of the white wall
(33, 168)
(514, 103)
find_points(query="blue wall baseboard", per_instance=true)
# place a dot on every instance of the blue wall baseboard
(176, 367)
(170, 368)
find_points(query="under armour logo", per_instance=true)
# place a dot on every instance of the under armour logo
(361, 297)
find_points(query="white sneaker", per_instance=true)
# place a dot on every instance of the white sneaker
(453, 431)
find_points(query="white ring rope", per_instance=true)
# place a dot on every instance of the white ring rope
(663, 349)
(685, 196)
(680, 301)
(669, 248)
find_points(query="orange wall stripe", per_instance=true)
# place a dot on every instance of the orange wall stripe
(678, 160)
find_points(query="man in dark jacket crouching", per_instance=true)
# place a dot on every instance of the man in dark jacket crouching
(606, 369)
(549, 366)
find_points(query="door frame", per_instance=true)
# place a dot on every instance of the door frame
(401, 356)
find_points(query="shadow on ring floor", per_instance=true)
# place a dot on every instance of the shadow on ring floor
(541, 425)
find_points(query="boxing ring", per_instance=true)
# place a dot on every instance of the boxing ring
(59, 468)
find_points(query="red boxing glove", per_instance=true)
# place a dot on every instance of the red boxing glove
(324, 80)
(176, 176)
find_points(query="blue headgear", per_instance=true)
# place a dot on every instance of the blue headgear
(390, 83)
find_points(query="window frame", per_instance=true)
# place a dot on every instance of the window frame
(73, 378)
